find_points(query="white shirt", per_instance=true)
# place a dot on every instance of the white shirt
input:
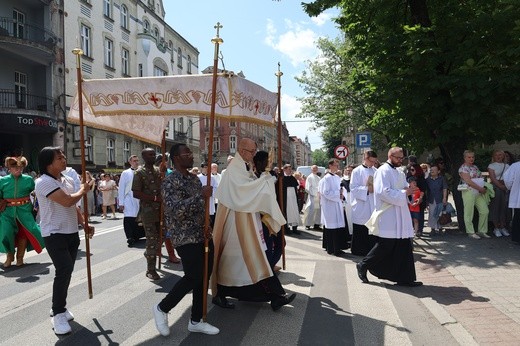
(126, 196)
(389, 188)
(204, 180)
(311, 184)
(512, 182)
(362, 202)
(55, 218)
(332, 212)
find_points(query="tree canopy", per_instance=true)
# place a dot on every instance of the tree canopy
(420, 74)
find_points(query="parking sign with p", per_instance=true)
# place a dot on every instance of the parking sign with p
(363, 140)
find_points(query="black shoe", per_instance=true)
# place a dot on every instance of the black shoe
(362, 273)
(410, 284)
(130, 242)
(222, 302)
(317, 227)
(339, 253)
(295, 231)
(281, 301)
(307, 227)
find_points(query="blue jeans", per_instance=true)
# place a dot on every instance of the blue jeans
(62, 249)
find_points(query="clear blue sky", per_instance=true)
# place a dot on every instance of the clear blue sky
(257, 35)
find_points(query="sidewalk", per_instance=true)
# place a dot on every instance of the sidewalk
(476, 282)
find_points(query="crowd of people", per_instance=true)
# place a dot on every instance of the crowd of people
(375, 209)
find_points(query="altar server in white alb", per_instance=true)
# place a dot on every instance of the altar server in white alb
(332, 213)
(128, 204)
(392, 256)
(311, 211)
(512, 182)
(363, 204)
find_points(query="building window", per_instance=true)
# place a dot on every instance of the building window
(126, 151)
(232, 144)
(89, 150)
(179, 57)
(156, 33)
(140, 70)
(146, 26)
(18, 24)
(86, 43)
(170, 47)
(157, 71)
(181, 125)
(188, 63)
(109, 53)
(125, 56)
(20, 89)
(190, 129)
(111, 151)
(107, 8)
(124, 17)
(216, 144)
(232, 123)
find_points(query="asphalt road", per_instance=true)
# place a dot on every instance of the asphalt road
(332, 306)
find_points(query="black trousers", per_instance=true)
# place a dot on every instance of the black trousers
(132, 228)
(391, 259)
(193, 265)
(62, 249)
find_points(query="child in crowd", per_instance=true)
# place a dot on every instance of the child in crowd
(414, 204)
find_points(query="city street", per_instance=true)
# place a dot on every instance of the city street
(471, 295)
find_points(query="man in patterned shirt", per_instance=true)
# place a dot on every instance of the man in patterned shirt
(184, 202)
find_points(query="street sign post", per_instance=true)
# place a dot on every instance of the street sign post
(341, 152)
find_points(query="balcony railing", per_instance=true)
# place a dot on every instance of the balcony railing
(26, 31)
(12, 99)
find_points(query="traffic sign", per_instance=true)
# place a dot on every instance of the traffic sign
(341, 152)
(363, 140)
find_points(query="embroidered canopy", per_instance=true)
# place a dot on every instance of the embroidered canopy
(141, 107)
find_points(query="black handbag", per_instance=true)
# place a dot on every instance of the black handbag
(445, 217)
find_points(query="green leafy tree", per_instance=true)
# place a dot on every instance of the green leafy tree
(432, 73)
(320, 157)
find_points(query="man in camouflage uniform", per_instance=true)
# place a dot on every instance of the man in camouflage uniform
(146, 187)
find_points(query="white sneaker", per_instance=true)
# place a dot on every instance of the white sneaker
(497, 233)
(161, 321)
(473, 236)
(67, 313)
(504, 232)
(60, 324)
(203, 327)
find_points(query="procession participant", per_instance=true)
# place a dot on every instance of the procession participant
(203, 177)
(362, 194)
(241, 268)
(146, 187)
(332, 212)
(290, 200)
(392, 256)
(184, 199)
(17, 225)
(129, 205)
(273, 241)
(59, 226)
(311, 211)
(512, 182)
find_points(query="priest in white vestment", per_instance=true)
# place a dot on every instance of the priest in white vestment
(392, 256)
(311, 210)
(362, 198)
(128, 204)
(241, 268)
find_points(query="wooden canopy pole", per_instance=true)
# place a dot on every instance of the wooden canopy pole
(279, 75)
(78, 52)
(216, 41)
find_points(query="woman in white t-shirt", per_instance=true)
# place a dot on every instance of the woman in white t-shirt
(498, 204)
(473, 197)
(59, 219)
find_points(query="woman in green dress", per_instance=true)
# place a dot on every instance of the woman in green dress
(17, 225)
